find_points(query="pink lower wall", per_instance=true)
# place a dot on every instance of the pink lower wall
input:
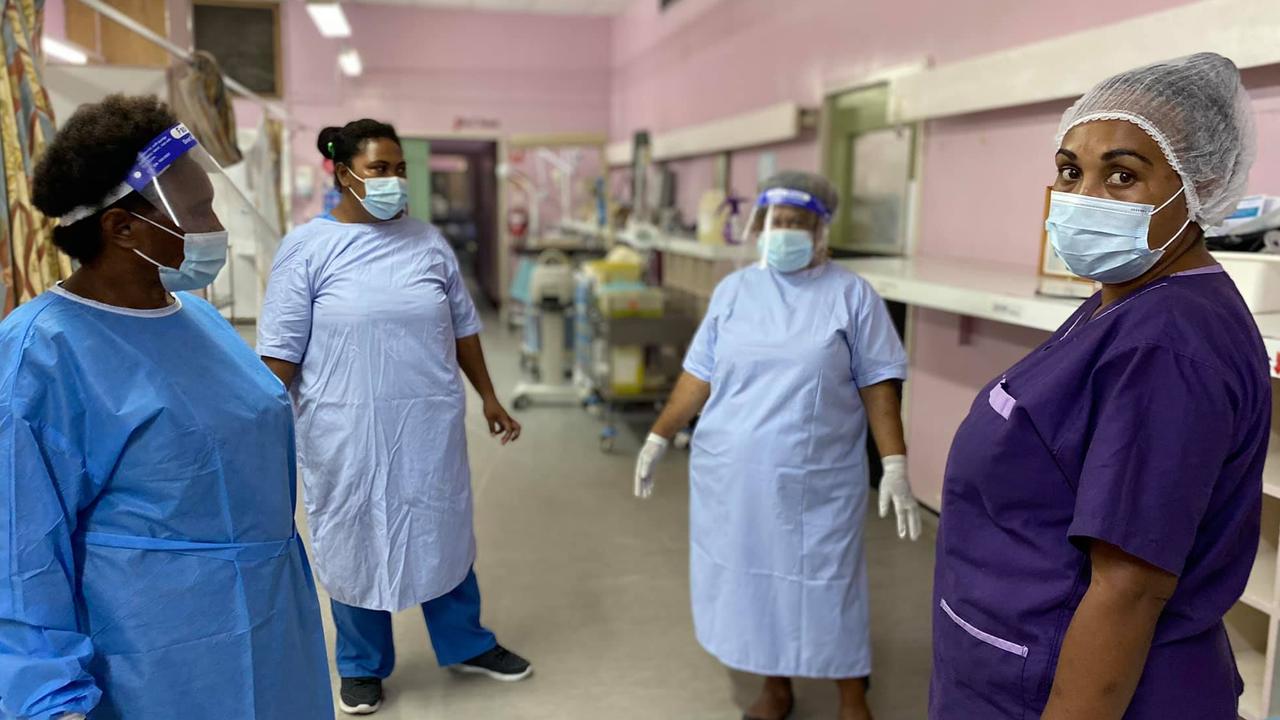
(984, 174)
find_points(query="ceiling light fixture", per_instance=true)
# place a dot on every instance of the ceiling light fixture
(349, 62)
(329, 18)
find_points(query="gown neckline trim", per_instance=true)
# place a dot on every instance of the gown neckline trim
(129, 312)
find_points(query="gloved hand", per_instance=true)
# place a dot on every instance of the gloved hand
(72, 716)
(654, 448)
(895, 488)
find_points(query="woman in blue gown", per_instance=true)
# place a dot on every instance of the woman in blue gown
(146, 457)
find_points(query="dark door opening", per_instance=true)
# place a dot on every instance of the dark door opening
(462, 188)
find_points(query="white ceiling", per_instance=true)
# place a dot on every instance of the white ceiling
(554, 7)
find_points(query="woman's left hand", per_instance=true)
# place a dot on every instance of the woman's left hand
(500, 422)
(895, 490)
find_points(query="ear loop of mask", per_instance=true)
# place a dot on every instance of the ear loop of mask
(153, 222)
(351, 190)
(1178, 234)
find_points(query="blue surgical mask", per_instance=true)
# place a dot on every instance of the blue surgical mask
(786, 250)
(384, 197)
(1102, 239)
(203, 257)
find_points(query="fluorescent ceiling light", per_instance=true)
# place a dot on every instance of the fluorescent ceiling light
(64, 51)
(329, 19)
(349, 61)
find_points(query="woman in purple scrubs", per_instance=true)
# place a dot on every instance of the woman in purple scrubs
(1102, 500)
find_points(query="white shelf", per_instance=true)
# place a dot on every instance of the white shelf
(649, 239)
(984, 290)
(1269, 325)
(766, 126)
(584, 227)
(1260, 593)
(1251, 633)
(1252, 665)
(1271, 468)
(1244, 30)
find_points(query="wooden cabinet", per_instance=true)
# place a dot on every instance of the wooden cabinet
(116, 44)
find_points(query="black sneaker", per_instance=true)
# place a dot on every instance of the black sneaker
(360, 696)
(499, 664)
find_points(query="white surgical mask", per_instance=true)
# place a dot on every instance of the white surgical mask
(786, 250)
(384, 197)
(203, 257)
(1105, 240)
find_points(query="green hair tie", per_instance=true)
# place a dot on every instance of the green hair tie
(330, 149)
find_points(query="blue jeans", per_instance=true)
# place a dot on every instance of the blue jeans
(365, 647)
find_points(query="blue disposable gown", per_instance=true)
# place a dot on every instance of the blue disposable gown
(147, 479)
(372, 313)
(778, 472)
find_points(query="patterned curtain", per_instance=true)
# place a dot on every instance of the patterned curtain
(28, 260)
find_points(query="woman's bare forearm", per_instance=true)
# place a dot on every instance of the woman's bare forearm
(1106, 646)
(283, 369)
(686, 401)
(884, 416)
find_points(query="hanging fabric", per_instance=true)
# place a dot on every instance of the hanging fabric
(198, 96)
(264, 169)
(28, 260)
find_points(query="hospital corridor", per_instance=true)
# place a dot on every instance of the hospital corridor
(640, 360)
(595, 588)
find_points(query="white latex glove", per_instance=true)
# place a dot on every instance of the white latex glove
(654, 448)
(895, 488)
(73, 716)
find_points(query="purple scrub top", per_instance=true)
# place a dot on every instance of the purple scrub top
(1145, 427)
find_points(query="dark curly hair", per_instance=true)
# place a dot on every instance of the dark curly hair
(342, 144)
(88, 157)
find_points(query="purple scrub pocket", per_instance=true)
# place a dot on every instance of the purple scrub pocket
(976, 674)
(1001, 401)
(995, 642)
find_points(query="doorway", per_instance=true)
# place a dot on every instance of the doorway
(453, 185)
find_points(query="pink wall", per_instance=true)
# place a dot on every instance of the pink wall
(424, 68)
(705, 59)
(55, 19)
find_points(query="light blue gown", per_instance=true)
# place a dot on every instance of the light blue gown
(778, 474)
(147, 479)
(372, 314)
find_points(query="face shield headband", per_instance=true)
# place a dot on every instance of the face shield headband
(152, 161)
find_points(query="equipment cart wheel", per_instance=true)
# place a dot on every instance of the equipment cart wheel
(608, 436)
(521, 402)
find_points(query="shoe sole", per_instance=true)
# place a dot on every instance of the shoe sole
(361, 709)
(500, 677)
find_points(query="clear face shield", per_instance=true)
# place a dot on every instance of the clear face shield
(180, 181)
(188, 191)
(788, 228)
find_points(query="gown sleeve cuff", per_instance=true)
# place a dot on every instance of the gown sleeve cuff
(468, 329)
(896, 371)
(697, 371)
(279, 352)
